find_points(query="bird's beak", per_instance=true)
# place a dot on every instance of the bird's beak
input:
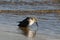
(37, 24)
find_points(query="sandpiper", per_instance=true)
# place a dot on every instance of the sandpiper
(23, 25)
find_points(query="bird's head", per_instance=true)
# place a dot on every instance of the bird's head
(32, 20)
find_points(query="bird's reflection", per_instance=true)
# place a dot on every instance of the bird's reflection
(27, 32)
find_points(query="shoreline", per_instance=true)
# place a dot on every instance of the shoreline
(29, 12)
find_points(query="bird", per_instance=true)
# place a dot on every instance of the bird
(24, 24)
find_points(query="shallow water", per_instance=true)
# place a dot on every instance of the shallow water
(28, 7)
(49, 24)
